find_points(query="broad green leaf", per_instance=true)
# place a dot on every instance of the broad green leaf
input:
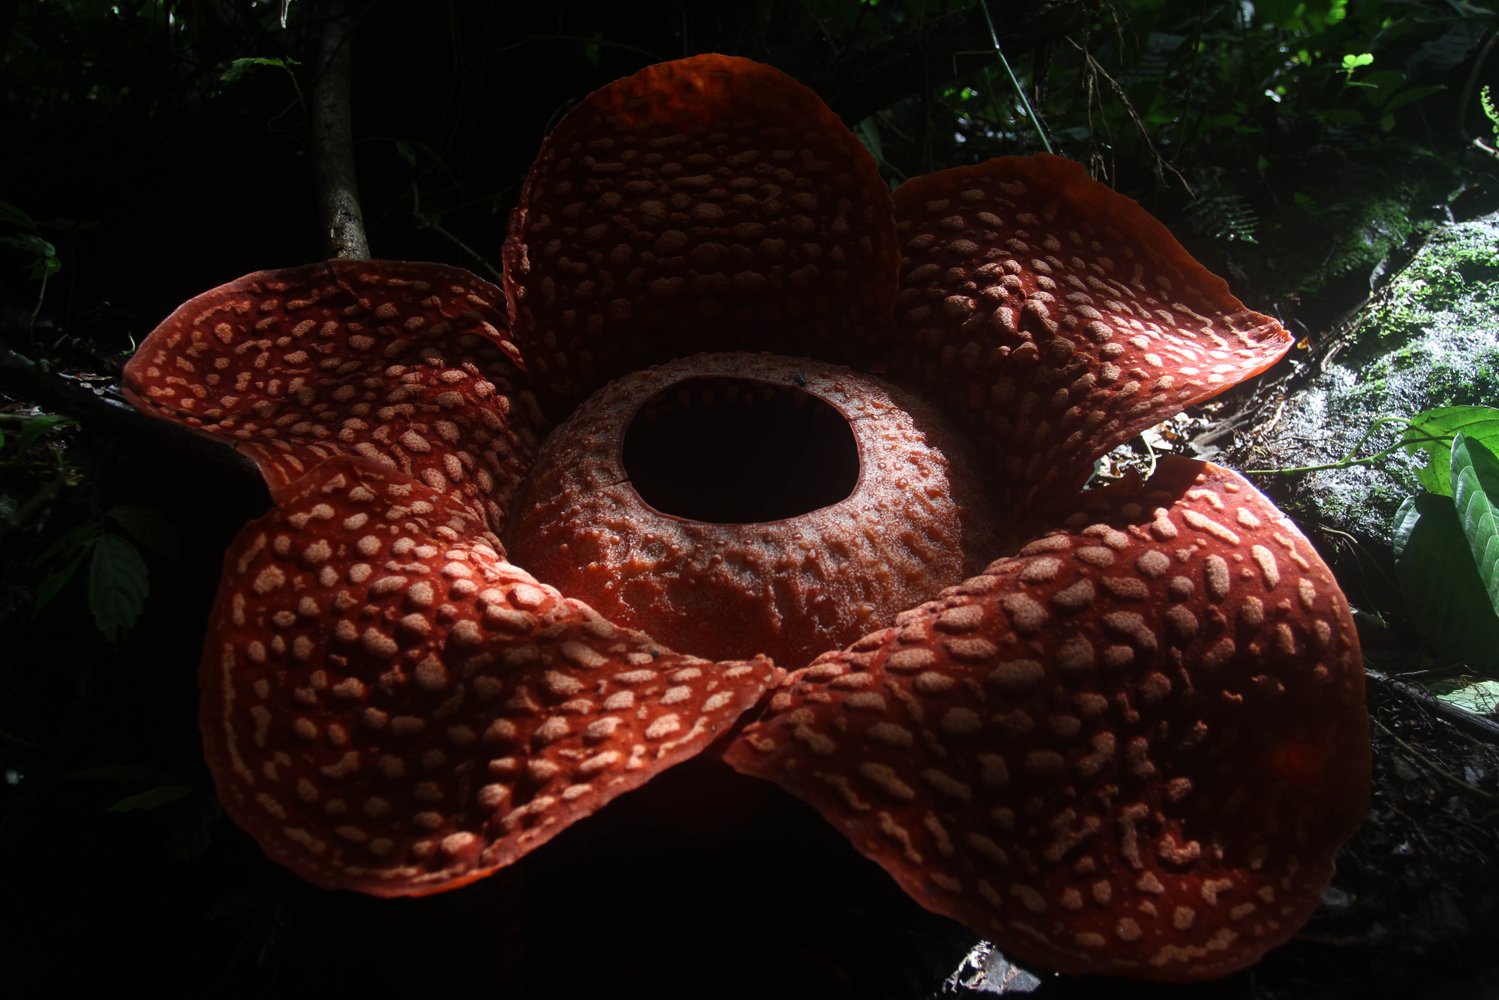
(1343, 116)
(1443, 592)
(868, 134)
(159, 786)
(147, 525)
(239, 67)
(1432, 431)
(35, 427)
(1384, 82)
(1481, 698)
(1409, 96)
(1475, 494)
(151, 798)
(12, 215)
(34, 245)
(56, 580)
(126, 774)
(117, 585)
(74, 540)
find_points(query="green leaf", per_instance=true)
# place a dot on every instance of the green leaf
(868, 134)
(55, 581)
(149, 526)
(1475, 494)
(151, 798)
(14, 216)
(160, 786)
(1353, 61)
(126, 774)
(75, 539)
(1480, 698)
(34, 245)
(1343, 116)
(117, 585)
(1410, 95)
(1432, 432)
(39, 425)
(239, 67)
(1442, 590)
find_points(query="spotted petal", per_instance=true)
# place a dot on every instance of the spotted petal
(1131, 749)
(390, 706)
(1059, 317)
(706, 204)
(405, 364)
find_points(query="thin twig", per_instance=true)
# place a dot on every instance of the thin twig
(1353, 458)
(1474, 725)
(105, 411)
(1434, 767)
(1465, 104)
(430, 222)
(1162, 164)
(1025, 101)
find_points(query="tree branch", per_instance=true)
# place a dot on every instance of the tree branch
(333, 137)
(103, 410)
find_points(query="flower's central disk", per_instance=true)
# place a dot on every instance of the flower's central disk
(734, 504)
(739, 451)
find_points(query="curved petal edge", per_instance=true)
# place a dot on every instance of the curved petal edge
(1058, 317)
(706, 204)
(390, 706)
(404, 364)
(1131, 749)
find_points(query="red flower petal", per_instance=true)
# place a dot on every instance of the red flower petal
(1132, 749)
(389, 706)
(404, 364)
(1059, 316)
(700, 205)
(912, 522)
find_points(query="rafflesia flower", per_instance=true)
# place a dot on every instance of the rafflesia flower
(1116, 731)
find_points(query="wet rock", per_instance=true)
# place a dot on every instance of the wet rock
(1429, 338)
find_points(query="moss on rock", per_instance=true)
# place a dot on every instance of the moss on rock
(1429, 339)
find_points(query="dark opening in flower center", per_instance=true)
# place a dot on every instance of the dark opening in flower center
(736, 451)
(734, 504)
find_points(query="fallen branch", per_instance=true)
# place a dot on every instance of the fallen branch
(1477, 726)
(104, 411)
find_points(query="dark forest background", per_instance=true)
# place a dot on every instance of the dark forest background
(152, 149)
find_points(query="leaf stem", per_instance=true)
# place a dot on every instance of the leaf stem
(1353, 458)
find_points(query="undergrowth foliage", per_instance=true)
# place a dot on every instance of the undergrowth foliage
(1446, 540)
(159, 147)
(1300, 141)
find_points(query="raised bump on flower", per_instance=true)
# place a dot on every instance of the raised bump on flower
(401, 363)
(1132, 748)
(391, 706)
(1106, 751)
(1058, 318)
(711, 203)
